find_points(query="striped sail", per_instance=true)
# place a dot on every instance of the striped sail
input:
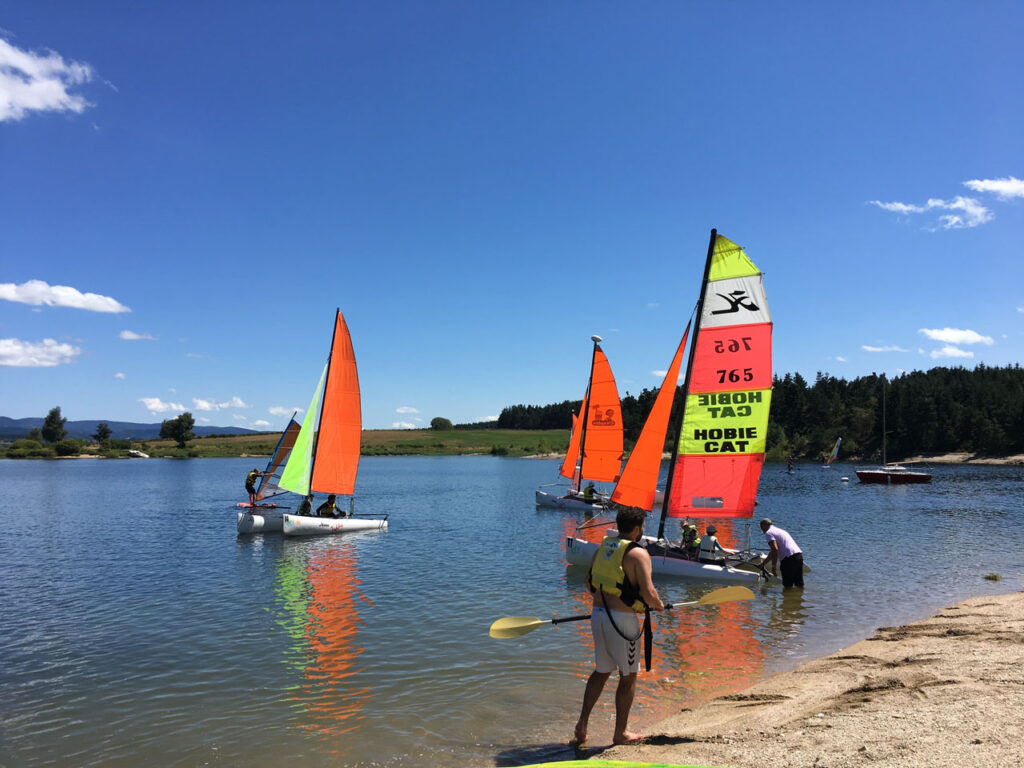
(268, 487)
(728, 393)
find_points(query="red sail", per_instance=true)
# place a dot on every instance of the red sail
(341, 423)
(572, 455)
(602, 448)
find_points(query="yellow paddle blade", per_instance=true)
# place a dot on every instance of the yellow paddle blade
(514, 626)
(725, 595)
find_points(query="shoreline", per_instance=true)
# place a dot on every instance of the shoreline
(946, 691)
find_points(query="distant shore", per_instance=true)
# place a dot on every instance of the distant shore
(945, 692)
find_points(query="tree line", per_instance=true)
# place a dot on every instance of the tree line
(943, 410)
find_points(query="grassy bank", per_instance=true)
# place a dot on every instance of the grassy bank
(376, 442)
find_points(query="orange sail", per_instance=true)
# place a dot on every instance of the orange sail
(572, 455)
(602, 424)
(336, 459)
(721, 446)
(639, 479)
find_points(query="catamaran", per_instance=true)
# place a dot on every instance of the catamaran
(262, 518)
(325, 458)
(719, 450)
(595, 447)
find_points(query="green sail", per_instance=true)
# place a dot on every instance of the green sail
(297, 471)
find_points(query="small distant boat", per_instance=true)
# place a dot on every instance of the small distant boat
(260, 518)
(832, 456)
(325, 458)
(718, 456)
(595, 447)
(137, 454)
(891, 474)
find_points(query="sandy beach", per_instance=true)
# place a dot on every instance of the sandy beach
(947, 691)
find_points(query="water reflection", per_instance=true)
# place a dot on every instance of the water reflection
(318, 590)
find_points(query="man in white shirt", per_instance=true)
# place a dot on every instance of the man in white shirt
(784, 551)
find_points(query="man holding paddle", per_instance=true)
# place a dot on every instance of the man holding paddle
(620, 580)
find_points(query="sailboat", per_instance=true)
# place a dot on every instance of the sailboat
(891, 474)
(595, 447)
(325, 458)
(718, 452)
(261, 519)
(832, 456)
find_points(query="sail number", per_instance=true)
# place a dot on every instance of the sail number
(732, 345)
(734, 375)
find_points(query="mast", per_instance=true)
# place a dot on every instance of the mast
(686, 386)
(320, 418)
(884, 459)
(585, 409)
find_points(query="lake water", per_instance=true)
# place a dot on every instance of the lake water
(137, 628)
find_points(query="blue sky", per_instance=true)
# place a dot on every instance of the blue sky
(188, 190)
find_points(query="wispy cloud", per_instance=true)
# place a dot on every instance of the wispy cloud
(951, 351)
(653, 304)
(34, 82)
(26, 354)
(966, 212)
(156, 405)
(37, 293)
(280, 410)
(202, 404)
(119, 375)
(133, 336)
(661, 375)
(892, 348)
(402, 425)
(261, 423)
(956, 336)
(1005, 189)
(406, 409)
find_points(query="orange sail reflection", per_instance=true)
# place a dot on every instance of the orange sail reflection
(318, 581)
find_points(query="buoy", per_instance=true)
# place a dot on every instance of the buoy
(845, 479)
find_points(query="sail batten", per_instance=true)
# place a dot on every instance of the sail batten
(720, 449)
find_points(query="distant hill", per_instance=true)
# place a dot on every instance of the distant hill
(12, 429)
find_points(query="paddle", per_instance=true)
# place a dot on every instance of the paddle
(516, 626)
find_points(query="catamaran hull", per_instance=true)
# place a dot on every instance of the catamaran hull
(545, 499)
(264, 522)
(581, 552)
(300, 525)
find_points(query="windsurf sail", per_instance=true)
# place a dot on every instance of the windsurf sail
(717, 460)
(325, 457)
(268, 487)
(639, 481)
(835, 451)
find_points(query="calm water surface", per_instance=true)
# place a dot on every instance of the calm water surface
(137, 627)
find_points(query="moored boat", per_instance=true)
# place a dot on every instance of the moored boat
(890, 474)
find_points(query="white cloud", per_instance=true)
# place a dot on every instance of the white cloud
(406, 409)
(1020, 309)
(156, 405)
(204, 420)
(951, 351)
(892, 348)
(261, 423)
(966, 211)
(490, 418)
(119, 375)
(402, 425)
(1006, 189)
(32, 82)
(26, 354)
(280, 410)
(37, 293)
(840, 359)
(238, 417)
(661, 375)
(133, 336)
(202, 404)
(955, 336)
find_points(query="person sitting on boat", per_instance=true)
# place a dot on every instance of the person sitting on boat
(250, 485)
(691, 541)
(588, 493)
(784, 550)
(709, 547)
(328, 508)
(306, 505)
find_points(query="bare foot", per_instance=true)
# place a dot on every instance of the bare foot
(627, 738)
(579, 736)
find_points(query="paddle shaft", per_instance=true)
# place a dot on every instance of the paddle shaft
(581, 617)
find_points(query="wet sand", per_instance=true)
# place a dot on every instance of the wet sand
(947, 691)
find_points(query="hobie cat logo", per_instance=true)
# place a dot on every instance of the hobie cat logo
(603, 417)
(736, 300)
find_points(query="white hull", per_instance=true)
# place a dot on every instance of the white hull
(266, 521)
(301, 525)
(580, 552)
(559, 501)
